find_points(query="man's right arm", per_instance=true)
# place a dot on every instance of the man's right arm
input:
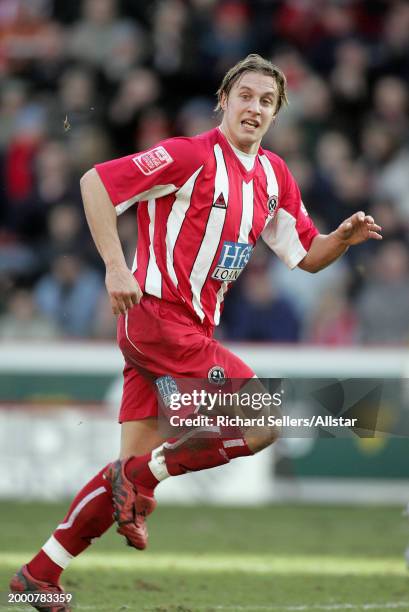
(121, 285)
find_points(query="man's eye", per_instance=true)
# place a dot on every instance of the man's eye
(245, 96)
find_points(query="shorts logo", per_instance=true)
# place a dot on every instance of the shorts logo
(152, 160)
(167, 389)
(272, 204)
(233, 258)
(216, 375)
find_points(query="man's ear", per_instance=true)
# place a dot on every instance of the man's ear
(223, 101)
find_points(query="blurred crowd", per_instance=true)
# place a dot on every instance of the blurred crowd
(86, 81)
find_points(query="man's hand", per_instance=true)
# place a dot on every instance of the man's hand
(357, 229)
(123, 290)
(326, 248)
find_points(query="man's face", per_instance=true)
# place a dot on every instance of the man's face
(248, 110)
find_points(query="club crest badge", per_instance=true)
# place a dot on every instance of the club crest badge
(272, 204)
(216, 375)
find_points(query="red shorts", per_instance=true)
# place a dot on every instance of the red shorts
(159, 338)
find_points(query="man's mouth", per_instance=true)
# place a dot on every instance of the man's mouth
(250, 122)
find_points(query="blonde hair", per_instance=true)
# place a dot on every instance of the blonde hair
(254, 63)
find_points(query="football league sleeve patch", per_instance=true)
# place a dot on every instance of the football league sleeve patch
(153, 160)
(150, 174)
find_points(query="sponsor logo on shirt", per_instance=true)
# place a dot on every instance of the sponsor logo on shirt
(153, 160)
(233, 258)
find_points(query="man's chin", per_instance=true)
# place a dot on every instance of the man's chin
(249, 132)
(248, 140)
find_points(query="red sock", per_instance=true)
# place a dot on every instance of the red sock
(137, 470)
(88, 517)
(236, 447)
(190, 453)
(42, 568)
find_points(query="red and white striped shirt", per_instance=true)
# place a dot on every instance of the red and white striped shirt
(200, 214)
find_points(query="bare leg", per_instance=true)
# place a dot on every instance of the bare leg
(139, 437)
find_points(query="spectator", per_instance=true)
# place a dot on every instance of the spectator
(22, 321)
(65, 233)
(391, 104)
(69, 295)
(154, 125)
(351, 183)
(349, 81)
(55, 180)
(387, 156)
(89, 145)
(337, 23)
(382, 306)
(316, 111)
(334, 322)
(229, 38)
(169, 23)
(105, 41)
(138, 91)
(392, 49)
(19, 159)
(23, 35)
(196, 116)
(17, 259)
(293, 283)
(49, 181)
(13, 99)
(77, 103)
(394, 225)
(261, 313)
(104, 324)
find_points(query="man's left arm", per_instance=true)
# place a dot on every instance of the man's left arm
(326, 248)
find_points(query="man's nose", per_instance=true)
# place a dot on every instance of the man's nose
(255, 105)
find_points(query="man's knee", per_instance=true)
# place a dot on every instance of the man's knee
(139, 437)
(261, 437)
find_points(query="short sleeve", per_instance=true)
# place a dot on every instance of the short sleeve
(154, 173)
(290, 233)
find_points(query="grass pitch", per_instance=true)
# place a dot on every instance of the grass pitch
(280, 558)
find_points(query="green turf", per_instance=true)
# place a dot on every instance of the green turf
(279, 558)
